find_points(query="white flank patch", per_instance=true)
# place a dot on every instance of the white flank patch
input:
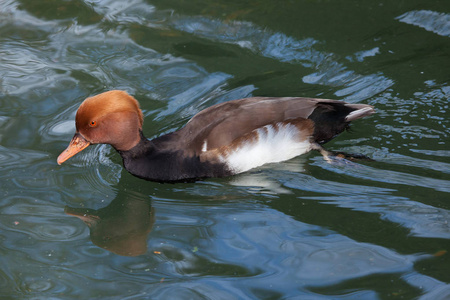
(271, 146)
(205, 146)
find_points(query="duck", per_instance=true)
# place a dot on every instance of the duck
(222, 140)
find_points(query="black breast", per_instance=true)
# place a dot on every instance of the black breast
(148, 162)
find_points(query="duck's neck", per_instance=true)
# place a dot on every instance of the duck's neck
(151, 160)
(139, 160)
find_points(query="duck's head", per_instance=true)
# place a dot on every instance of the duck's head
(112, 117)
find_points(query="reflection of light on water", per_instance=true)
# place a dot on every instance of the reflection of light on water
(387, 176)
(63, 127)
(266, 246)
(360, 56)
(421, 219)
(11, 157)
(415, 123)
(262, 41)
(383, 155)
(442, 153)
(355, 87)
(189, 97)
(268, 181)
(259, 183)
(429, 20)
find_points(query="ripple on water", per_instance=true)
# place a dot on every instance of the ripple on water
(441, 153)
(61, 126)
(103, 173)
(417, 123)
(203, 290)
(50, 280)
(310, 183)
(31, 285)
(221, 251)
(429, 20)
(32, 222)
(33, 67)
(412, 132)
(354, 87)
(386, 156)
(57, 231)
(381, 175)
(126, 12)
(275, 250)
(421, 219)
(346, 259)
(11, 157)
(90, 250)
(94, 172)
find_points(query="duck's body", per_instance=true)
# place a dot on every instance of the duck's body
(222, 140)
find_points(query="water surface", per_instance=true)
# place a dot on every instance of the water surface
(302, 229)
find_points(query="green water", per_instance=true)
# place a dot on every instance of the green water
(301, 229)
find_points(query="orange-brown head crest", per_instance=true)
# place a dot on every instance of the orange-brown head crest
(96, 107)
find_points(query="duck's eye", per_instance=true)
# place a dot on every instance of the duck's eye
(93, 123)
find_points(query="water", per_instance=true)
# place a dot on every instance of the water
(302, 229)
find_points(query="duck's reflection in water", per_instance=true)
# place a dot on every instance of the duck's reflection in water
(122, 227)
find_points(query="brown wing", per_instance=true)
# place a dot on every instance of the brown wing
(221, 124)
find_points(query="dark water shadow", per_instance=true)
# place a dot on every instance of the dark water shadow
(122, 227)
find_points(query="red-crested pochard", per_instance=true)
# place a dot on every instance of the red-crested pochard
(222, 140)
